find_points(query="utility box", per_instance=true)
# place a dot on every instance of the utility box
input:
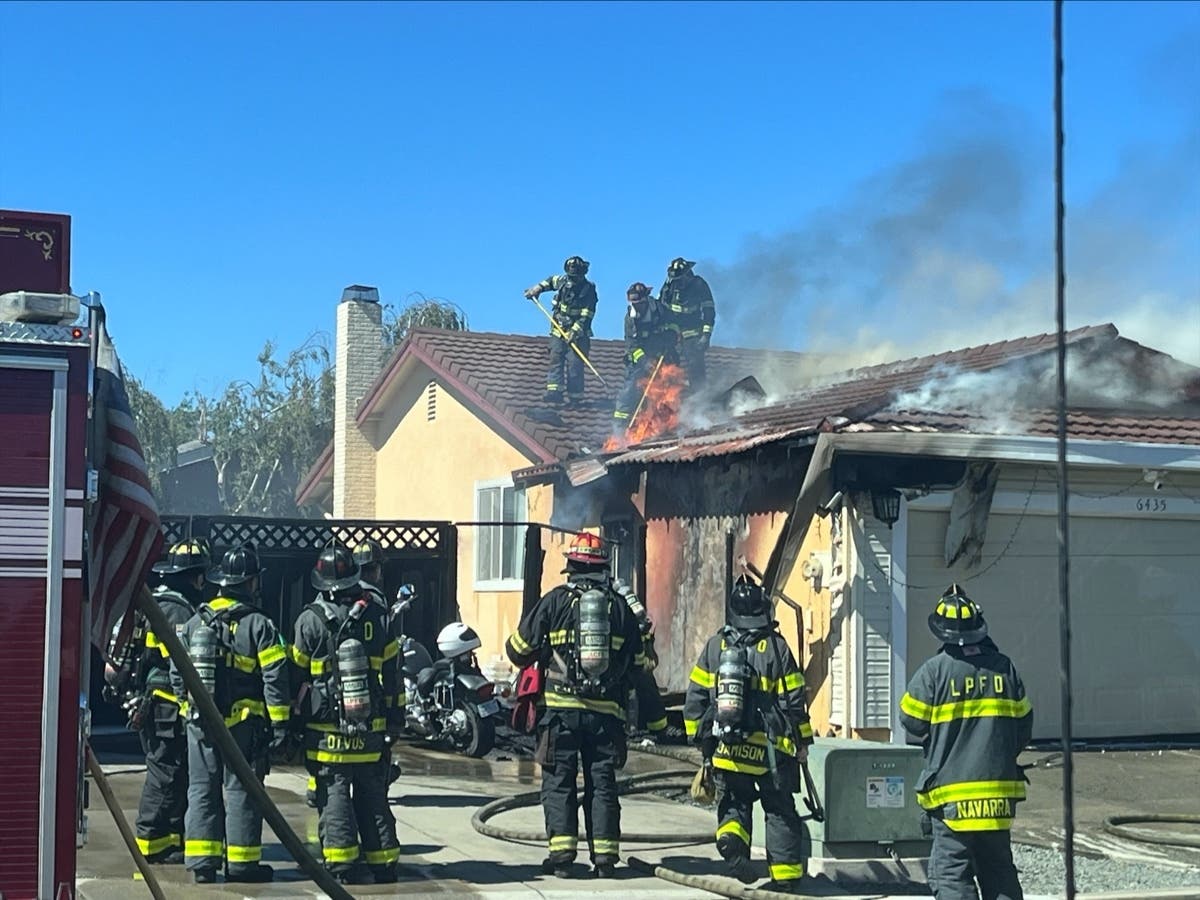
(868, 790)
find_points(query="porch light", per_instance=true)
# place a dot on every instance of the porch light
(886, 506)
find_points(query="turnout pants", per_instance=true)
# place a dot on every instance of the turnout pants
(652, 714)
(787, 835)
(164, 795)
(691, 357)
(636, 375)
(566, 368)
(228, 827)
(356, 822)
(959, 859)
(568, 737)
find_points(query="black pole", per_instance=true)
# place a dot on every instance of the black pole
(1064, 557)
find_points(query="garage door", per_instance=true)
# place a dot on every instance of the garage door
(1135, 615)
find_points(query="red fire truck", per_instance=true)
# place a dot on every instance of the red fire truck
(45, 362)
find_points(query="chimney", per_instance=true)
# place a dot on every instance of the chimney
(359, 352)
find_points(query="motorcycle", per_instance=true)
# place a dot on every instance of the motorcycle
(450, 701)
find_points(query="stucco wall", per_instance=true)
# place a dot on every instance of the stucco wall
(428, 469)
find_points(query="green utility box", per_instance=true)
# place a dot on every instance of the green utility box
(868, 790)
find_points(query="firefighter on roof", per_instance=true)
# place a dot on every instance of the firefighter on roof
(242, 661)
(349, 700)
(161, 726)
(573, 310)
(648, 342)
(747, 710)
(688, 303)
(585, 639)
(967, 706)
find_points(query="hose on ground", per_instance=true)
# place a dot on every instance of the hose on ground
(1116, 826)
(713, 884)
(636, 784)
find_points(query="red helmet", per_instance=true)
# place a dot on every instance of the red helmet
(587, 548)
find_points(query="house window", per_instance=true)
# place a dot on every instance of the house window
(499, 550)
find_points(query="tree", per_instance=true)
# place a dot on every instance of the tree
(420, 311)
(157, 430)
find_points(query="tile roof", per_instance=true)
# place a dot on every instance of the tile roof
(866, 395)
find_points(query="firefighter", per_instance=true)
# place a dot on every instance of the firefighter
(368, 555)
(690, 312)
(573, 310)
(161, 727)
(746, 708)
(968, 708)
(647, 342)
(346, 661)
(242, 660)
(585, 640)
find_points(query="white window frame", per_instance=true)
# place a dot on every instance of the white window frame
(497, 584)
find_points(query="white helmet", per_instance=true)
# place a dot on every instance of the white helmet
(457, 639)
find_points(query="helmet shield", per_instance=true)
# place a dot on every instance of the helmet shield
(336, 569)
(957, 619)
(749, 606)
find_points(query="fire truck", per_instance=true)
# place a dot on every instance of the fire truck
(45, 376)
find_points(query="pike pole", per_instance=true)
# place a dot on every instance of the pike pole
(558, 329)
(645, 393)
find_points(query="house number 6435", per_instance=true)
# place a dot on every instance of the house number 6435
(1151, 504)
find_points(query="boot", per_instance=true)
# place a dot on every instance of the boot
(605, 866)
(252, 874)
(791, 886)
(353, 875)
(737, 857)
(552, 398)
(558, 864)
(204, 876)
(166, 858)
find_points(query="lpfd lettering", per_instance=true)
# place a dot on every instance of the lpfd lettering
(976, 685)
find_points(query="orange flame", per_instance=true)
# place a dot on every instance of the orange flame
(659, 412)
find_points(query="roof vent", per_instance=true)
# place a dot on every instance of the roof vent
(431, 401)
(361, 293)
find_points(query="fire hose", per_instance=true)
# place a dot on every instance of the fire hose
(1117, 826)
(231, 754)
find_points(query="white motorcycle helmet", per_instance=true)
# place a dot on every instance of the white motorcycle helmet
(457, 639)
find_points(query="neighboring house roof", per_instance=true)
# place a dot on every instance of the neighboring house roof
(504, 376)
(867, 399)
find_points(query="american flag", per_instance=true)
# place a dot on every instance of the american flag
(124, 537)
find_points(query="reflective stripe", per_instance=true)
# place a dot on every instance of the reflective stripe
(910, 705)
(618, 414)
(704, 679)
(806, 730)
(605, 845)
(555, 700)
(989, 707)
(237, 854)
(637, 354)
(244, 709)
(244, 663)
(152, 643)
(340, 854)
(312, 782)
(318, 667)
(391, 650)
(657, 724)
(518, 642)
(978, 824)
(793, 682)
(382, 857)
(300, 658)
(729, 765)
(204, 848)
(219, 603)
(279, 713)
(786, 871)
(165, 695)
(376, 663)
(735, 828)
(971, 790)
(150, 846)
(558, 637)
(271, 655)
(691, 726)
(563, 842)
(326, 756)
(617, 641)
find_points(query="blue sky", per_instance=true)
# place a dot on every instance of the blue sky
(873, 176)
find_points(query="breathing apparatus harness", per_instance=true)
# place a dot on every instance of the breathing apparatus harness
(349, 682)
(210, 648)
(586, 671)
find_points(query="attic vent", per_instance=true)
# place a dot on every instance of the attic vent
(431, 401)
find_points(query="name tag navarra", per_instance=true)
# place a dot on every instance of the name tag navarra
(997, 808)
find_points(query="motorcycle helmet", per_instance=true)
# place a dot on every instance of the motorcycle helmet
(457, 639)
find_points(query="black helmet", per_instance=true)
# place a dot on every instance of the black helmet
(238, 565)
(637, 292)
(191, 555)
(368, 553)
(576, 266)
(957, 619)
(748, 605)
(336, 569)
(678, 266)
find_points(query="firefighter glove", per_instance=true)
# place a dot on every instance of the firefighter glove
(704, 788)
(281, 737)
(533, 292)
(704, 341)
(802, 753)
